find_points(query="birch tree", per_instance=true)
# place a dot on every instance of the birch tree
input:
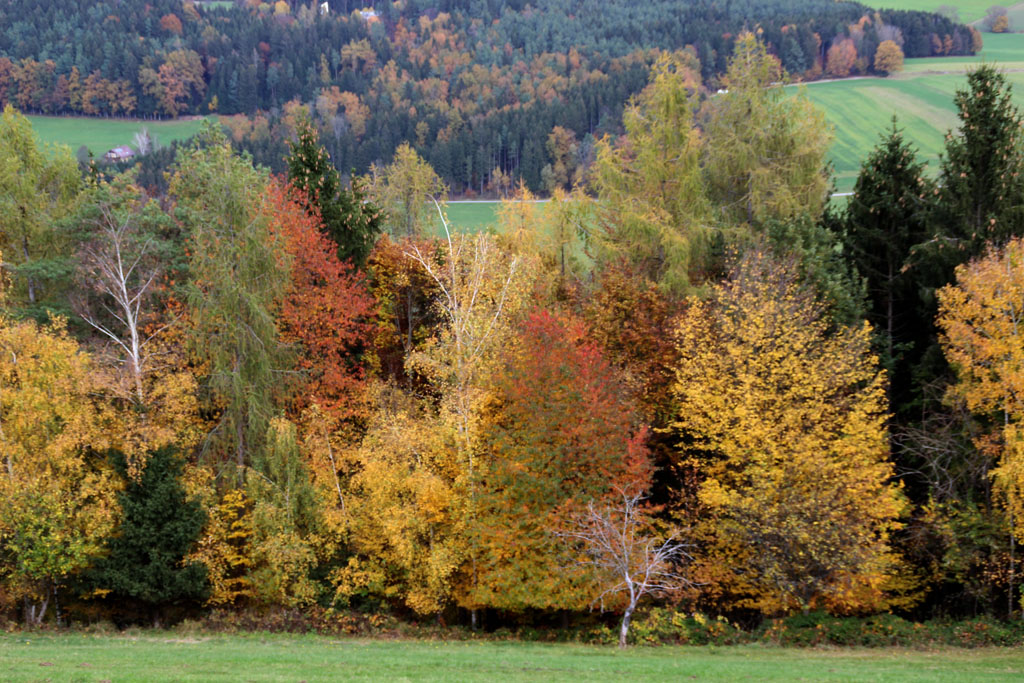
(121, 258)
(617, 542)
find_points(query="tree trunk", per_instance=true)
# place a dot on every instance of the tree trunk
(624, 631)
(34, 612)
(56, 607)
(31, 281)
(1013, 568)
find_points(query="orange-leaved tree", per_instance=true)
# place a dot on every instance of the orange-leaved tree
(561, 431)
(327, 310)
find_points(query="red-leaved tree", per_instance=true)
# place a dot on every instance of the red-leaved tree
(327, 312)
(561, 432)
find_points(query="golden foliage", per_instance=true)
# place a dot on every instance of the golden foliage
(406, 524)
(983, 339)
(56, 500)
(786, 420)
(889, 57)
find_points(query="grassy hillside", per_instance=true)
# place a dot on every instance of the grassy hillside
(471, 216)
(859, 109)
(922, 97)
(100, 135)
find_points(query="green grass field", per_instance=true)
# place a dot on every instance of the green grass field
(861, 109)
(100, 135)
(970, 10)
(472, 216)
(264, 657)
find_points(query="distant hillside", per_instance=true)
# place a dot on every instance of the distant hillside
(474, 85)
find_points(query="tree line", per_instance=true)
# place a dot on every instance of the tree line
(255, 391)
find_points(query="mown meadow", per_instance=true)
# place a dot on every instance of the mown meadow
(861, 109)
(100, 135)
(160, 656)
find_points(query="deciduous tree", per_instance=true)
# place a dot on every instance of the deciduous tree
(239, 273)
(57, 496)
(407, 189)
(561, 431)
(764, 155)
(787, 423)
(983, 339)
(38, 186)
(619, 543)
(888, 57)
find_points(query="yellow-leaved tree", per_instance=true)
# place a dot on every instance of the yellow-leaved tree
(406, 526)
(413, 491)
(785, 419)
(56, 493)
(982, 321)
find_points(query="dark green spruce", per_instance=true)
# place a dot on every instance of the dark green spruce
(349, 219)
(144, 571)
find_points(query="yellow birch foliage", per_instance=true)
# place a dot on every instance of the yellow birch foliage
(56, 501)
(482, 291)
(407, 533)
(412, 493)
(786, 421)
(224, 545)
(982, 320)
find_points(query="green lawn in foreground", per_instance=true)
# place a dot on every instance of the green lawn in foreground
(263, 657)
(100, 135)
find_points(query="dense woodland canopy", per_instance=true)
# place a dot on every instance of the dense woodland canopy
(251, 391)
(476, 87)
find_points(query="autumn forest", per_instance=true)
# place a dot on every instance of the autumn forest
(687, 378)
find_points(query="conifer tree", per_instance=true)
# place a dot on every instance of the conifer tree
(885, 218)
(144, 566)
(349, 218)
(656, 213)
(240, 271)
(764, 155)
(982, 185)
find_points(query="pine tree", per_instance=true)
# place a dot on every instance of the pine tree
(982, 187)
(885, 218)
(349, 219)
(160, 525)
